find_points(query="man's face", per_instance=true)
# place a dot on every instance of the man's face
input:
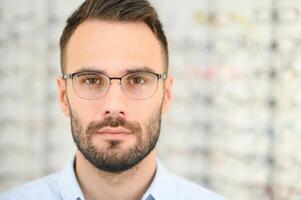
(114, 132)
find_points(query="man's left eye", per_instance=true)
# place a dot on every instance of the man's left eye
(137, 80)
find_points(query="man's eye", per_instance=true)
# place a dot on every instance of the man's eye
(92, 81)
(137, 80)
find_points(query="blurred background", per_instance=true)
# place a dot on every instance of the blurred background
(234, 124)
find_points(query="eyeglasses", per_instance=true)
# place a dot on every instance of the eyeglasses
(94, 85)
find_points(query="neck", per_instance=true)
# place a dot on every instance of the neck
(102, 185)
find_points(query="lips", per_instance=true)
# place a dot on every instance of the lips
(114, 131)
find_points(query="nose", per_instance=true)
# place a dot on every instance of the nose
(115, 101)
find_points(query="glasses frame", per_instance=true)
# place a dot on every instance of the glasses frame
(72, 75)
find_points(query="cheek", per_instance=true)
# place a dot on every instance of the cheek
(82, 110)
(142, 111)
(88, 113)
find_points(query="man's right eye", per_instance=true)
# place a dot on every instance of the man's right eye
(92, 81)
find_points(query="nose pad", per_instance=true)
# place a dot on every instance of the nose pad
(113, 87)
(117, 79)
(114, 103)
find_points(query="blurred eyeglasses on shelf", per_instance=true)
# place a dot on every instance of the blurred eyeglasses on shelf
(285, 15)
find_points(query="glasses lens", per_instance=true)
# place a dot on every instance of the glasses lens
(140, 85)
(90, 85)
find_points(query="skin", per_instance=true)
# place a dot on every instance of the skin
(115, 48)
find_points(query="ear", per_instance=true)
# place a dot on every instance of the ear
(61, 84)
(168, 96)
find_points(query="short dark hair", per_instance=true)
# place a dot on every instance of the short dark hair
(114, 10)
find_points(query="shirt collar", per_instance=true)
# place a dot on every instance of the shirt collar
(160, 188)
(67, 183)
(162, 185)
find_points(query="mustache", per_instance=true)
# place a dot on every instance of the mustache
(134, 127)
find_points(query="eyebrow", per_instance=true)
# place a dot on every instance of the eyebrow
(88, 69)
(134, 69)
(140, 69)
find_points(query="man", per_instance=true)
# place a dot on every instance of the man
(114, 88)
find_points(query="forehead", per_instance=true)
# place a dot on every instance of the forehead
(113, 47)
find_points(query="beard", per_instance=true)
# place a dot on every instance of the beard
(110, 157)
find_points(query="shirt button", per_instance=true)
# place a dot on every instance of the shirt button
(78, 198)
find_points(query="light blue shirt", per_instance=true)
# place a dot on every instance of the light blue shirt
(64, 186)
